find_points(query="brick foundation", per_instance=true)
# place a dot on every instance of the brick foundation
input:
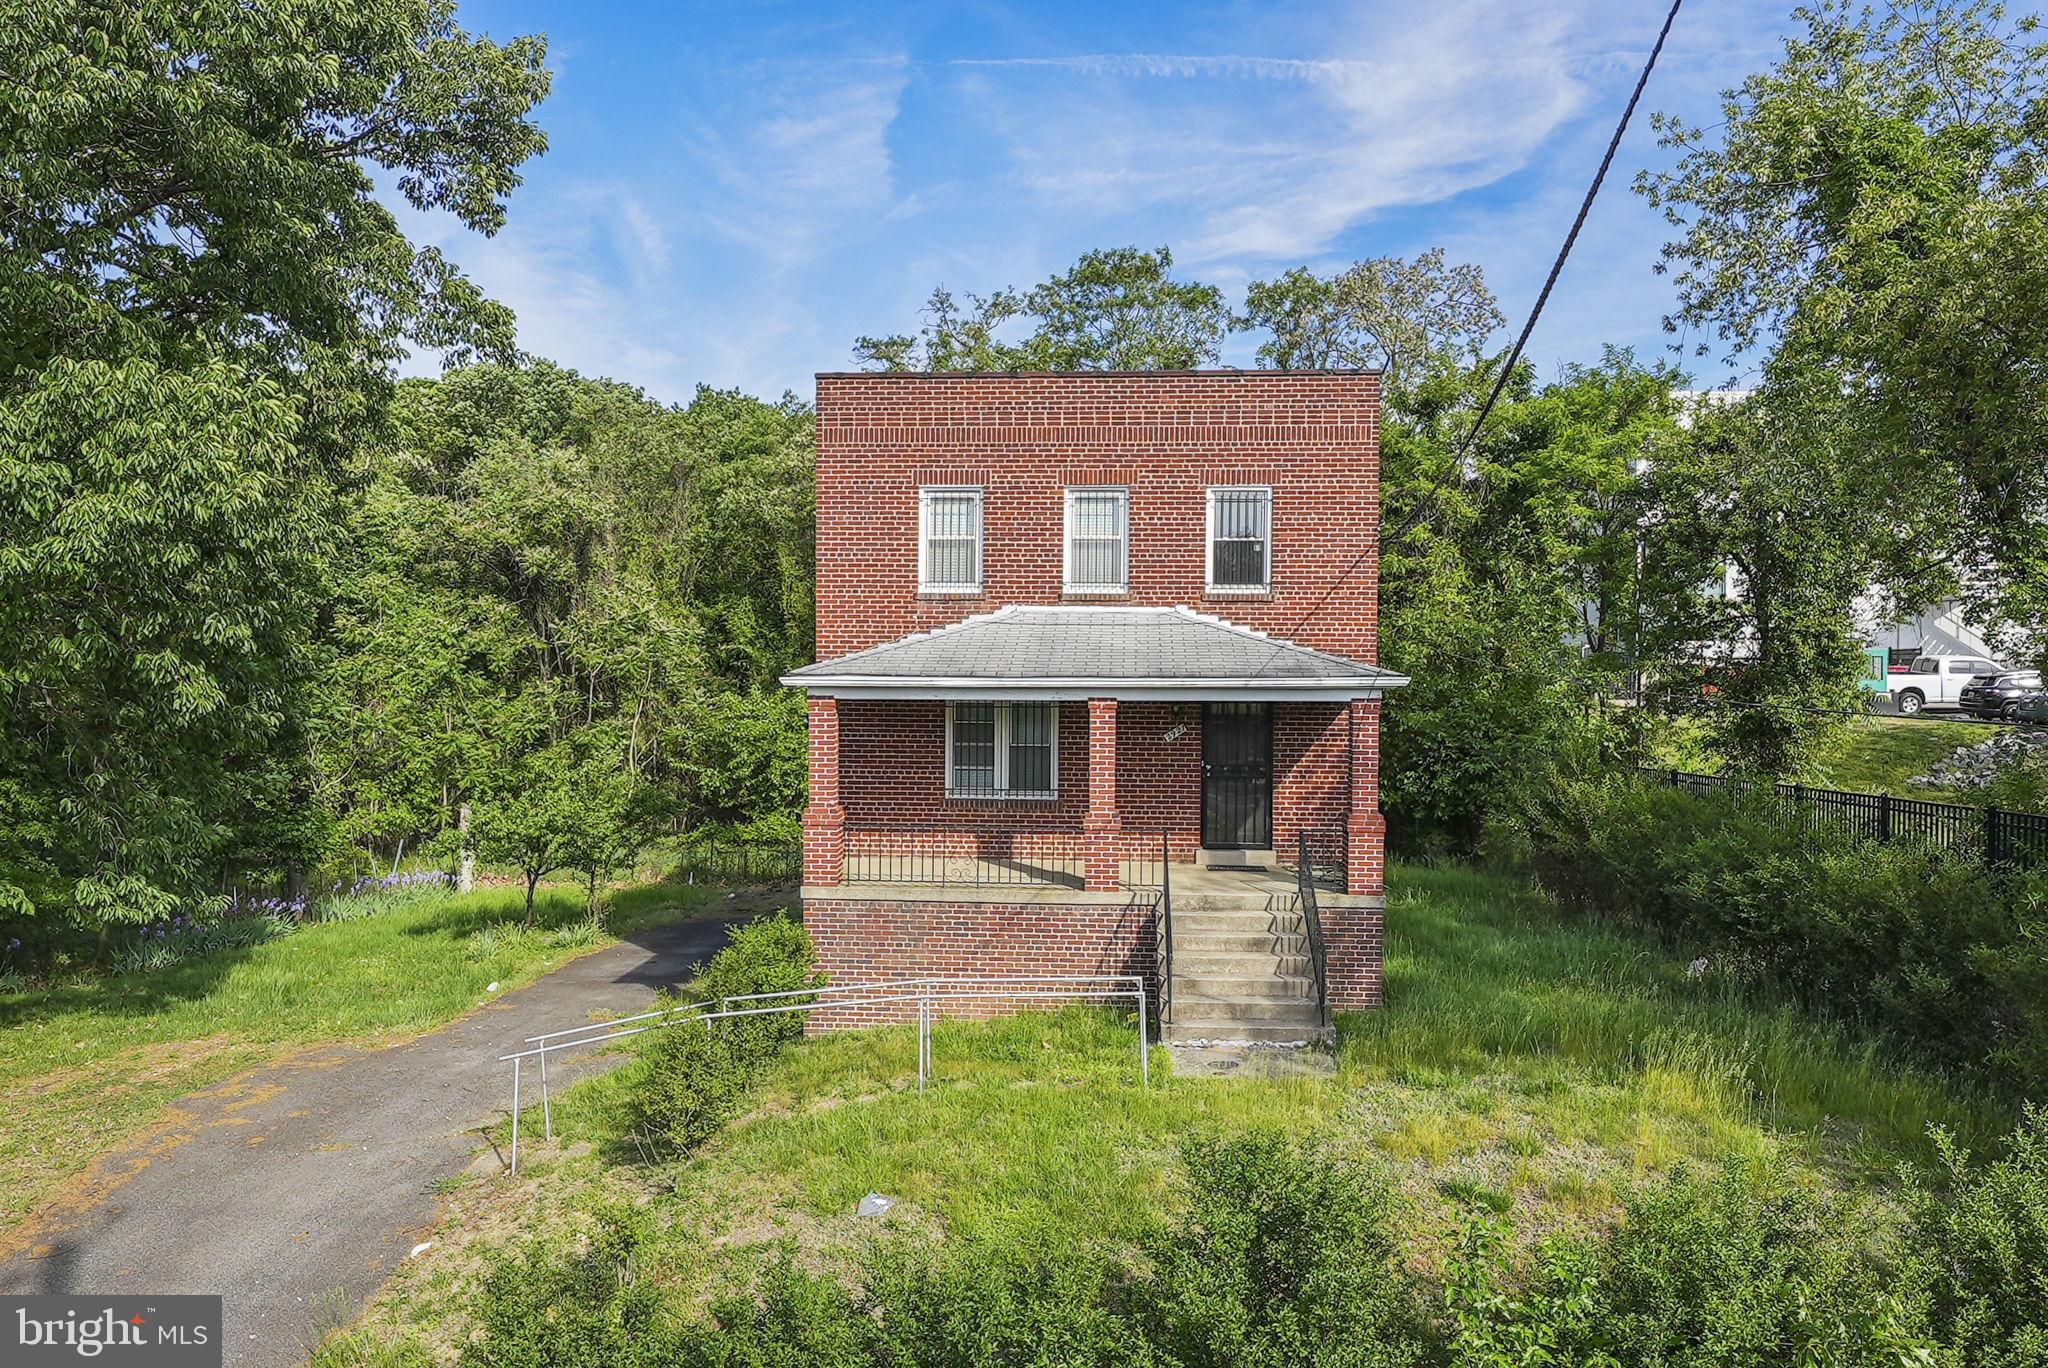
(861, 940)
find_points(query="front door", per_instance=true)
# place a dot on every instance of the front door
(1237, 776)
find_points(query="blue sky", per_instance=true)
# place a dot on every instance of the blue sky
(734, 192)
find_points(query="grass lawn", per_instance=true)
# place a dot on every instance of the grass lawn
(1875, 754)
(85, 1064)
(1525, 1063)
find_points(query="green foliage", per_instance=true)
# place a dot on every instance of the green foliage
(593, 1307)
(202, 301)
(1872, 204)
(1401, 318)
(1115, 309)
(1941, 955)
(1985, 1249)
(1737, 1267)
(1280, 1255)
(693, 1076)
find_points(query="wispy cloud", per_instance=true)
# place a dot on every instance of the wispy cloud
(800, 153)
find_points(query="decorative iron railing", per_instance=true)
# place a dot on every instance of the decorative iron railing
(1165, 946)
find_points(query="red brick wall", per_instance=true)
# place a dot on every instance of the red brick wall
(892, 762)
(864, 941)
(1024, 438)
(1356, 940)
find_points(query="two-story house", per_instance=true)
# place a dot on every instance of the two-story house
(1096, 676)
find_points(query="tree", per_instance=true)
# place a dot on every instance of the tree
(1387, 314)
(201, 300)
(1115, 309)
(1874, 204)
(1760, 489)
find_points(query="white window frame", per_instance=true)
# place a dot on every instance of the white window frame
(1002, 791)
(1123, 502)
(1209, 541)
(924, 538)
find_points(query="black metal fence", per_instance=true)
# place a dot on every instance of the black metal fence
(737, 862)
(1995, 836)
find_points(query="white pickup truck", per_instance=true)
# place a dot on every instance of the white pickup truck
(1935, 681)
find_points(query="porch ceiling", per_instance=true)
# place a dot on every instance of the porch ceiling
(1071, 652)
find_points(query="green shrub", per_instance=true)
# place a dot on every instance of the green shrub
(773, 955)
(1282, 1255)
(694, 1076)
(1986, 1250)
(1942, 955)
(695, 1080)
(591, 1307)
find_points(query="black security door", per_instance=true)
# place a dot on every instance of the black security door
(1237, 776)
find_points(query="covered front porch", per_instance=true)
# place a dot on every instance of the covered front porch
(1093, 750)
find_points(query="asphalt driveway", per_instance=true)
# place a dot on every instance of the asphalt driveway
(293, 1190)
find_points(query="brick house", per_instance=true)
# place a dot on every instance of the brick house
(1097, 678)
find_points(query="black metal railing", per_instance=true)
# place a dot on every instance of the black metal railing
(1312, 920)
(1165, 936)
(739, 862)
(1323, 851)
(1992, 835)
(931, 857)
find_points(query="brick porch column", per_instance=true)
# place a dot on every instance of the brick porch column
(1365, 829)
(824, 818)
(1102, 828)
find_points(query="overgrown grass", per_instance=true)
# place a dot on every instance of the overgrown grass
(1523, 1063)
(83, 1065)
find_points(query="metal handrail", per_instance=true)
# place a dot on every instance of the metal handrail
(1165, 928)
(1312, 919)
(922, 991)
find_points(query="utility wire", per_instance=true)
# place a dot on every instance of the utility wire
(1514, 355)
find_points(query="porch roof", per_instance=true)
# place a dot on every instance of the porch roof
(1072, 652)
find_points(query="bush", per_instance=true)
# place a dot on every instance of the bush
(590, 1307)
(695, 1075)
(1939, 954)
(1282, 1255)
(1719, 1271)
(1986, 1250)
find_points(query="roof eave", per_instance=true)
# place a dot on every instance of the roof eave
(1069, 689)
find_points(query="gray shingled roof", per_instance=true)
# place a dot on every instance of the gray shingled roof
(1066, 643)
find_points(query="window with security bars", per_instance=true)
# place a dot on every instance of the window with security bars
(1240, 537)
(949, 550)
(1098, 541)
(1002, 750)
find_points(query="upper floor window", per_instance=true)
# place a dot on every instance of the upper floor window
(949, 541)
(1240, 537)
(1098, 541)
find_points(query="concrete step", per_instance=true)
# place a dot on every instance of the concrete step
(1267, 1006)
(1243, 987)
(1237, 964)
(1235, 919)
(1185, 1027)
(1185, 903)
(1238, 942)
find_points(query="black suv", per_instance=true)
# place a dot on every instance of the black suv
(1998, 695)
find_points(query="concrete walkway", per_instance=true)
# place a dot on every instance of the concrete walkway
(294, 1189)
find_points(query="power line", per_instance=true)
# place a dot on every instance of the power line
(1514, 355)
